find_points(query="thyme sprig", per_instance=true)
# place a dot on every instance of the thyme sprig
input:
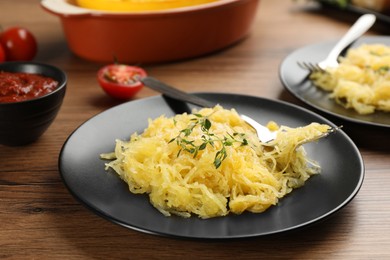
(208, 138)
(383, 70)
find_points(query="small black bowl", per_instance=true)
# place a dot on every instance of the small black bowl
(24, 122)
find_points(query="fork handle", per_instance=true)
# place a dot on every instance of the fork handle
(175, 93)
(358, 28)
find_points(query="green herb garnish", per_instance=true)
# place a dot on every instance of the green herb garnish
(208, 138)
(383, 69)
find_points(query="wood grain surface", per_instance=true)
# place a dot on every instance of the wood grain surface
(40, 219)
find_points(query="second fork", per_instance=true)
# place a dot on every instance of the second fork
(361, 26)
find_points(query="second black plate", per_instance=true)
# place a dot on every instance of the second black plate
(295, 81)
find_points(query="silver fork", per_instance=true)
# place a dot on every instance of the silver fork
(265, 135)
(331, 61)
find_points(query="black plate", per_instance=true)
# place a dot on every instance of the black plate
(108, 196)
(295, 81)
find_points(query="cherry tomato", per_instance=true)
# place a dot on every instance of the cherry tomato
(2, 54)
(121, 81)
(18, 44)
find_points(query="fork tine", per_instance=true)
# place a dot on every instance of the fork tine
(306, 66)
(310, 66)
(318, 68)
(303, 65)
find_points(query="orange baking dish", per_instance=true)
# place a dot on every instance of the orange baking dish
(153, 36)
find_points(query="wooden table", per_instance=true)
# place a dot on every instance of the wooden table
(39, 218)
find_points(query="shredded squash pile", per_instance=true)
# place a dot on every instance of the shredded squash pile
(362, 81)
(211, 162)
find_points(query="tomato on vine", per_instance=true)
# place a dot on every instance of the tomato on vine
(18, 44)
(2, 54)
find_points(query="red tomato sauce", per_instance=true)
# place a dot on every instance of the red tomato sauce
(20, 86)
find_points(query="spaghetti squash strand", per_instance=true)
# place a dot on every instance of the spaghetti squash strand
(253, 176)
